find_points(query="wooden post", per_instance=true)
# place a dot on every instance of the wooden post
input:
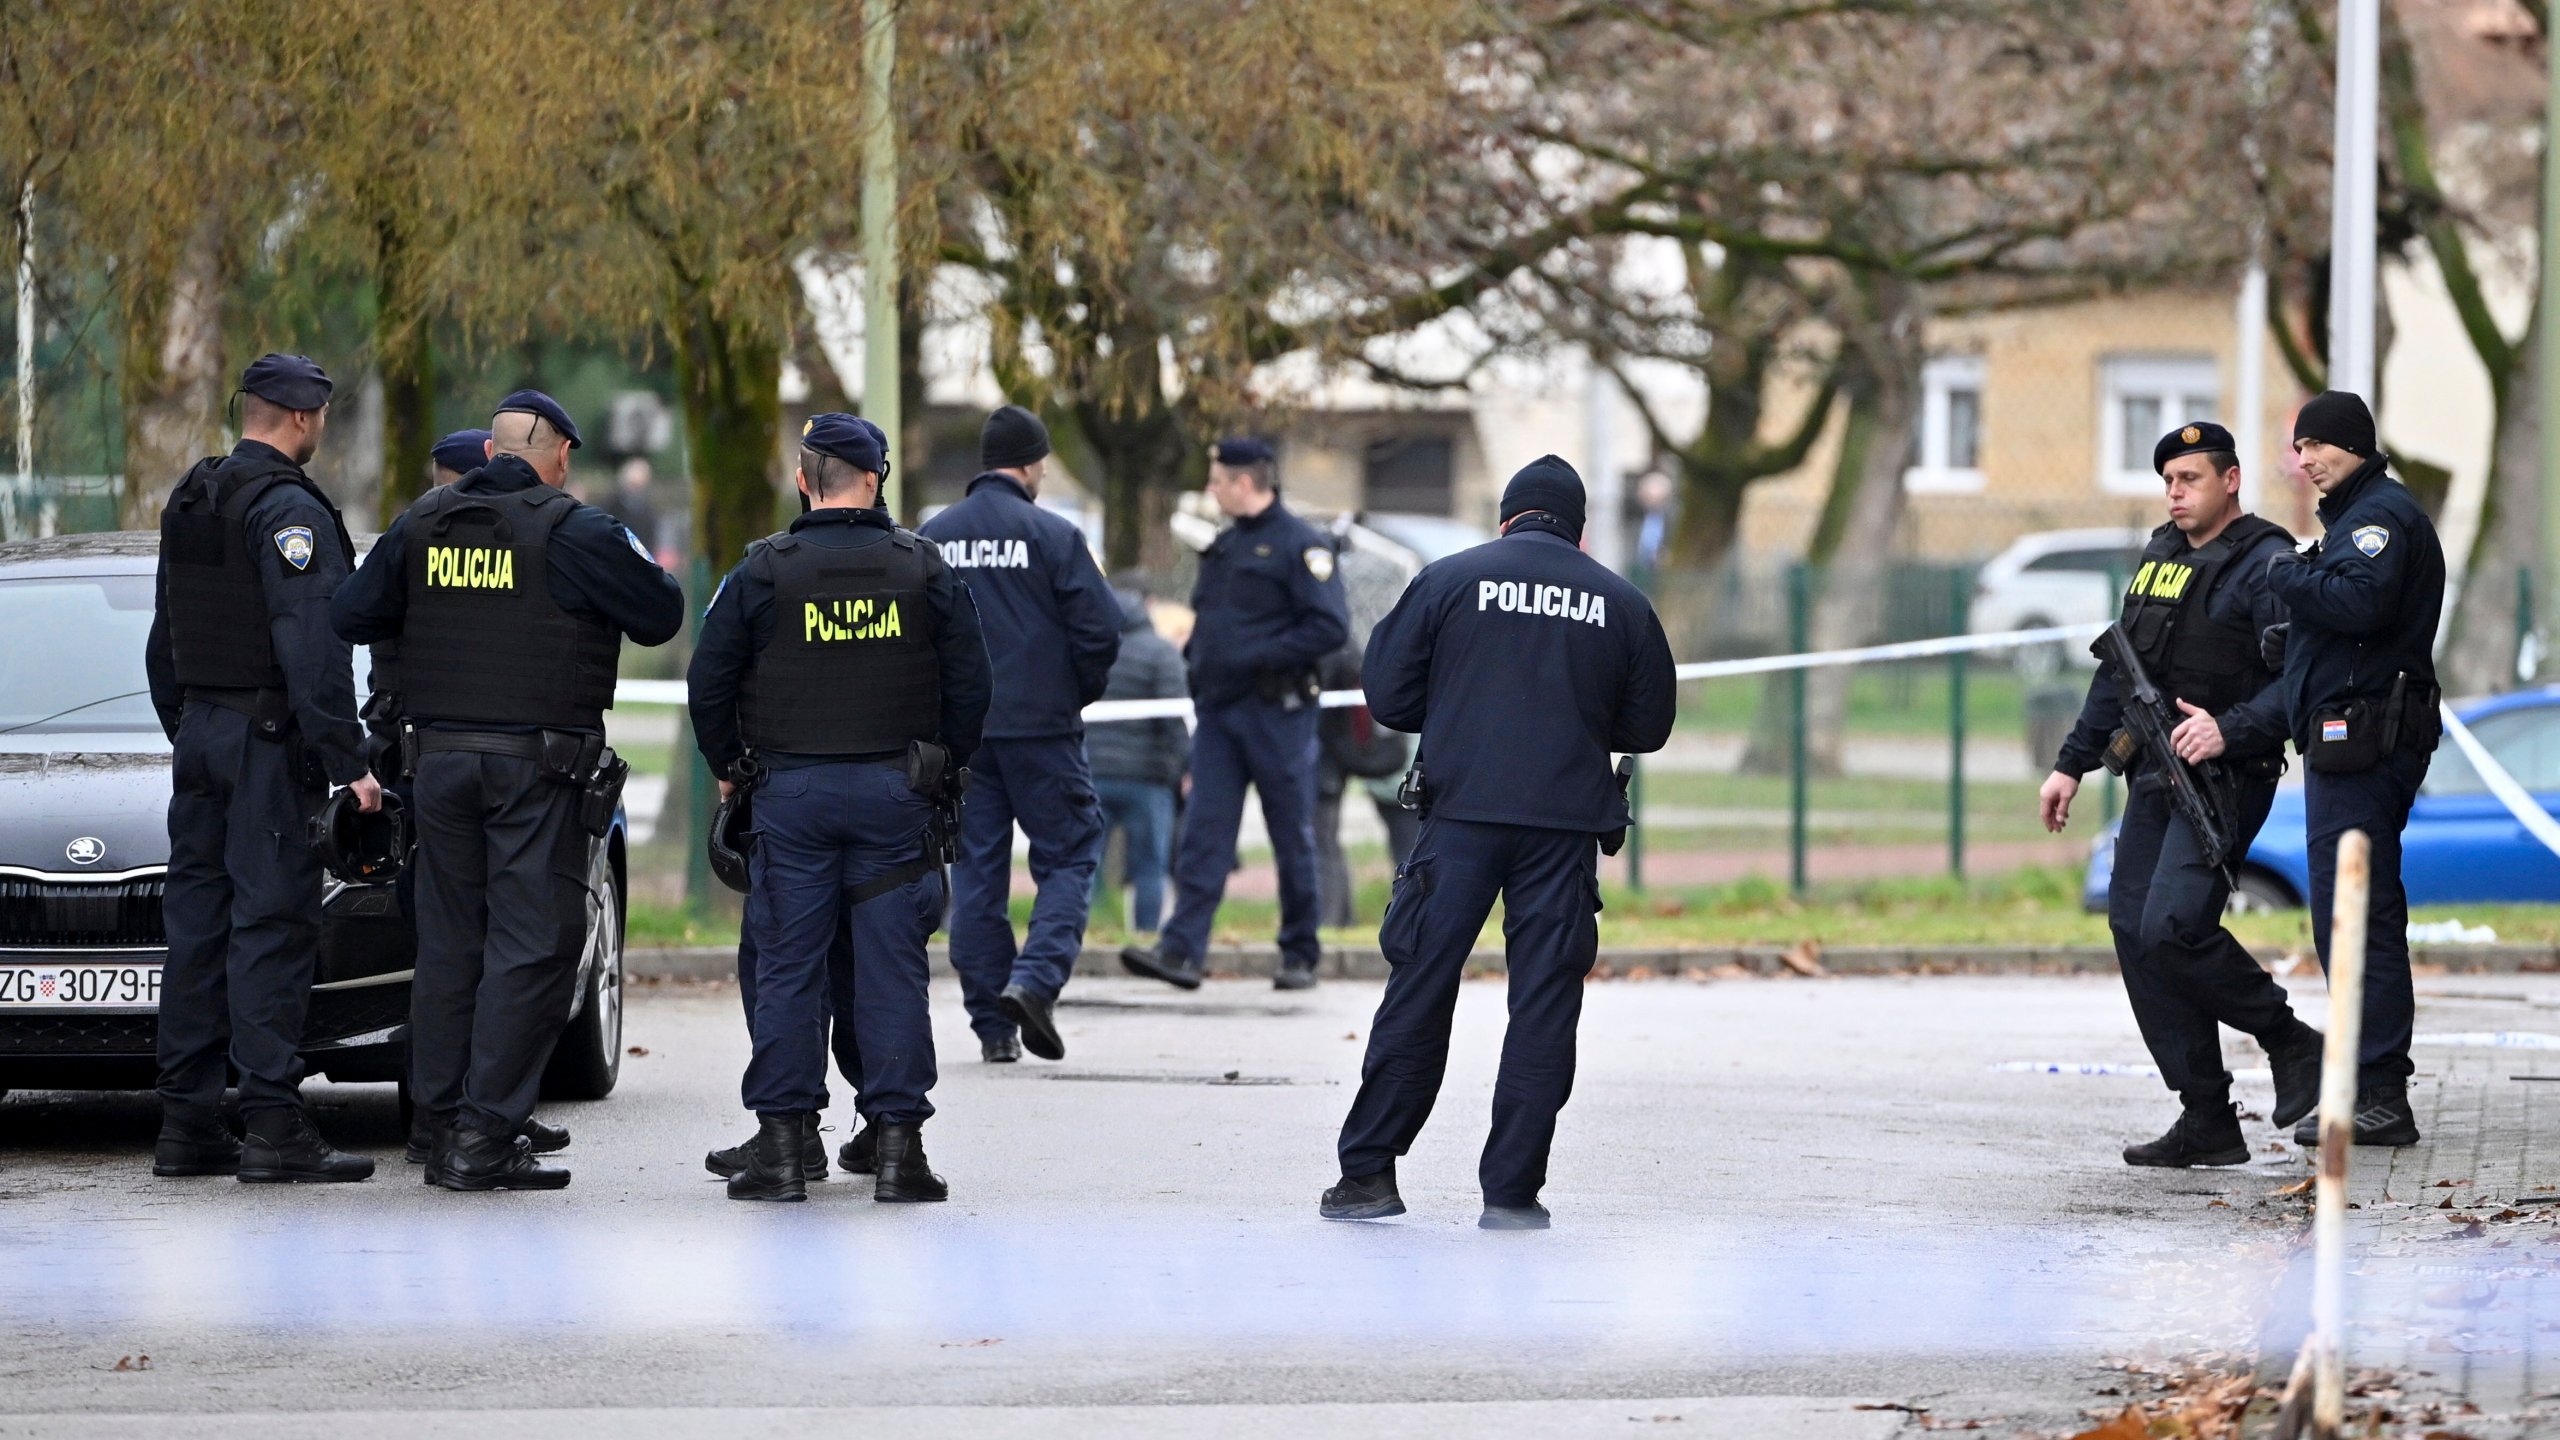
(2319, 1383)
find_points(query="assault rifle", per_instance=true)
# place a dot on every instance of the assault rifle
(2202, 793)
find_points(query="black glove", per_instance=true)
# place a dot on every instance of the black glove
(2271, 644)
(2284, 558)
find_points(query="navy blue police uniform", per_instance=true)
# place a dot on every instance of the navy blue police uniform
(258, 699)
(831, 653)
(1522, 664)
(2195, 614)
(1052, 631)
(509, 600)
(2364, 609)
(1268, 606)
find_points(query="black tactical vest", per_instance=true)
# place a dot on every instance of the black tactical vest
(2209, 663)
(853, 667)
(217, 604)
(484, 642)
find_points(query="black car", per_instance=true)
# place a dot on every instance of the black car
(84, 853)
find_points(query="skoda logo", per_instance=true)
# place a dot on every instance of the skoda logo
(87, 850)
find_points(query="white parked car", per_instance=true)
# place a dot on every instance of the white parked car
(2054, 577)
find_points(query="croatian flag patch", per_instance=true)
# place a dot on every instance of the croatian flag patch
(2332, 731)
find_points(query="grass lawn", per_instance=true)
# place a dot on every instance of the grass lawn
(1902, 698)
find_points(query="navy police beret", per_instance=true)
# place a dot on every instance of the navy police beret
(292, 381)
(2197, 438)
(462, 451)
(534, 402)
(849, 438)
(1242, 450)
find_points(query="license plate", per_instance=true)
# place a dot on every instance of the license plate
(79, 987)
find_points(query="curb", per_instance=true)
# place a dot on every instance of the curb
(705, 962)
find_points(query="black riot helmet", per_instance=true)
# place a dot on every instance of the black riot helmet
(733, 838)
(361, 848)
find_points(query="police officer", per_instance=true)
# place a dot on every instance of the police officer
(458, 454)
(2195, 610)
(510, 600)
(1522, 663)
(846, 658)
(2360, 692)
(258, 699)
(1269, 607)
(1052, 631)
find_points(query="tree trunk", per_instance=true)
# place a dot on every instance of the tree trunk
(1139, 463)
(2480, 653)
(173, 380)
(731, 376)
(404, 351)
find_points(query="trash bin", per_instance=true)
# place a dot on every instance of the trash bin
(2051, 709)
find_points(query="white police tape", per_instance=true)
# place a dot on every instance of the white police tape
(2105, 1068)
(672, 692)
(2490, 1040)
(2519, 801)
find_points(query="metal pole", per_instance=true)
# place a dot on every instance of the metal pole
(26, 361)
(880, 236)
(1799, 607)
(1960, 595)
(701, 794)
(2249, 329)
(2353, 197)
(2319, 1373)
(1635, 828)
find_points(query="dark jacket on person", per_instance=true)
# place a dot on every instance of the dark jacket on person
(1052, 627)
(1146, 752)
(1523, 664)
(1267, 606)
(2365, 607)
(319, 674)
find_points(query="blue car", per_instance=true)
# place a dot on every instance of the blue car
(2462, 847)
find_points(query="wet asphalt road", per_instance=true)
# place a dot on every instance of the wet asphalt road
(1775, 1200)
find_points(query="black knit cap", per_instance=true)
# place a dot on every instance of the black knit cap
(2339, 419)
(1014, 437)
(1546, 483)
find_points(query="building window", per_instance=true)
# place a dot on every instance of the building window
(1409, 474)
(1946, 446)
(2141, 397)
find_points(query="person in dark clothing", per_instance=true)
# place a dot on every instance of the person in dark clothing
(510, 601)
(458, 454)
(258, 700)
(1269, 606)
(1138, 764)
(1522, 663)
(844, 658)
(2195, 610)
(1353, 748)
(2361, 697)
(1052, 632)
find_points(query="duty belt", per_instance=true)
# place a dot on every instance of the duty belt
(480, 742)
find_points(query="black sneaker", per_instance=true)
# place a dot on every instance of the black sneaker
(861, 1154)
(476, 1160)
(999, 1049)
(1180, 972)
(1294, 977)
(813, 1157)
(283, 1149)
(193, 1144)
(2383, 1117)
(2297, 1070)
(1036, 1018)
(2201, 1137)
(1362, 1197)
(1532, 1216)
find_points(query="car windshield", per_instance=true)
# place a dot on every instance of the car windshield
(73, 660)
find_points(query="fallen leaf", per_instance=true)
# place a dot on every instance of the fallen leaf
(2303, 1186)
(1351, 1035)
(637, 1050)
(1905, 1409)
(133, 1362)
(1805, 958)
(2447, 1184)
(2128, 1426)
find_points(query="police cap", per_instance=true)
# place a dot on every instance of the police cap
(295, 382)
(1242, 450)
(2201, 437)
(534, 402)
(849, 438)
(463, 451)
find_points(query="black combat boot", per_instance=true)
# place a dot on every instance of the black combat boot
(282, 1148)
(543, 1139)
(861, 1154)
(904, 1176)
(1363, 1197)
(1179, 971)
(194, 1142)
(813, 1156)
(1036, 1018)
(999, 1049)
(475, 1160)
(1532, 1216)
(2296, 1063)
(775, 1168)
(2208, 1136)
(1294, 977)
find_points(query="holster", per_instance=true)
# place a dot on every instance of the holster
(1414, 793)
(1288, 689)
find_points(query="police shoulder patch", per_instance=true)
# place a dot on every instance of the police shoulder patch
(2371, 538)
(293, 542)
(1320, 562)
(636, 547)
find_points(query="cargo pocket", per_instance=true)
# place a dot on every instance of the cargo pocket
(1402, 927)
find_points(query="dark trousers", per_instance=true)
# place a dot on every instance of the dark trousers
(821, 832)
(502, 920)
(1273, 749)
(242, 909)
(2185, 974)
(840, 1034)
(1549, 884)
(1044, 782)
(1143, 813)
(2377, 802)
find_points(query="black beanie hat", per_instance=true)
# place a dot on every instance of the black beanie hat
(1549, 484)
(2339, 419)
(1014, 437)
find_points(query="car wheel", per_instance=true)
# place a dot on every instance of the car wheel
(2259, 892)
(2035, 663)
(588, 1059)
